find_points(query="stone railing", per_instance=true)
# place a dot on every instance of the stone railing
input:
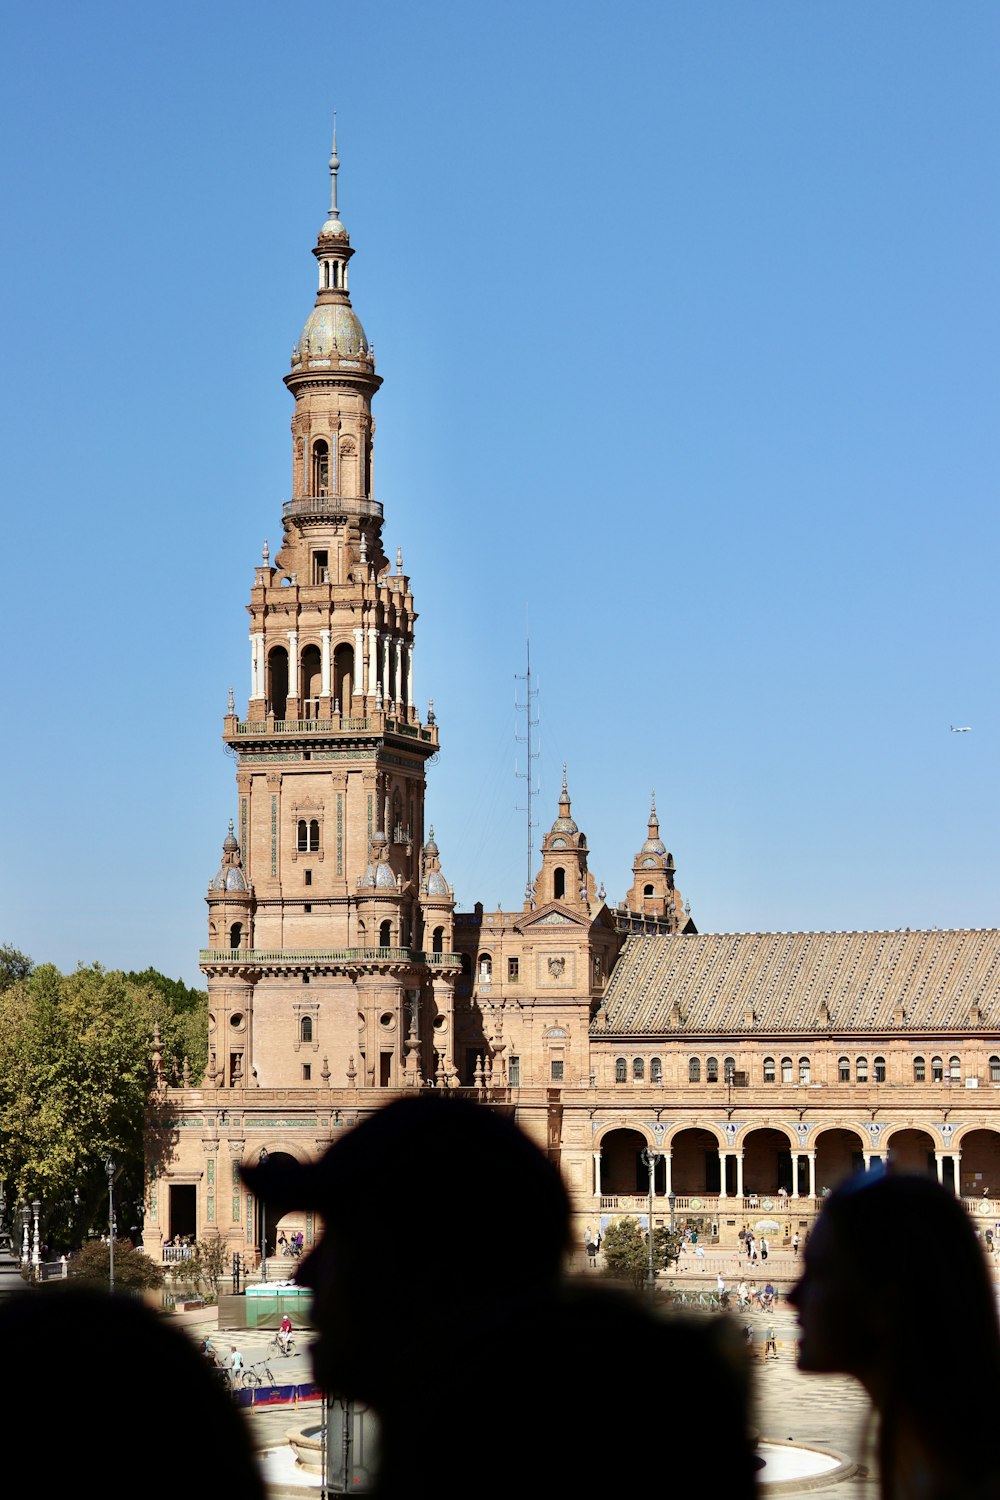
(331, 505)
(259, 956)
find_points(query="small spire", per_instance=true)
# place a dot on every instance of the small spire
(399, 559)
(232, 702)
(333, 224)
(564, 791)
(266, 554)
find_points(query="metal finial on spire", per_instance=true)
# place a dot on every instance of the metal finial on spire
(652, 800)
(333, 224)
(564, 791)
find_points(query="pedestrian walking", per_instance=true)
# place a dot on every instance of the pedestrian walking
(770, 1346)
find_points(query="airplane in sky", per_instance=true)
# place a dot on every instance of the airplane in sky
(960, 728)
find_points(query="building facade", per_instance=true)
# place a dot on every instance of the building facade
(757, 1069)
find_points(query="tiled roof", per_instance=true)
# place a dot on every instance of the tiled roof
(803, 981)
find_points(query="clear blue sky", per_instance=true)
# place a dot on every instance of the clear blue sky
(688, 319)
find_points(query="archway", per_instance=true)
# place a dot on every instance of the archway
(623, 1172)
(767, 1163)
(839, 1154)
(695, 1162)
(912, 1151)
(312, 682)
(277, 681)
(343, 677)
(980, 1165)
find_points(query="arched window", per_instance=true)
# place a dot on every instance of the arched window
(621, 1070)
(843, 1070)
(995, 1069)
(803, 1070)
(313, 835)
(559, 883)
(769, 1070)
(694, 1071)
(277, 681)
(647, 890)
(236, 935)
(343, 677)
(879, 1070)
(321, 467)
(437, 941)
(485, 968)
(312, 682)
(302, 836)
(955, 1068)
(306, 1029)
(385, 935)
(786, 1070)
(919, 1070)
(712, 1070)
(861, 1070)
(655, 1070)
(638, 1069)
(937, 1070)
(728, 1069)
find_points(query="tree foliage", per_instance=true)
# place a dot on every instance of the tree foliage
(626, 1255)
(14, 966)
(75, 1075)
(203, 1270)
(666, 1246)
(132, 1268)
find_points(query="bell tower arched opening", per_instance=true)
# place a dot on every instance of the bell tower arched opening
(312, 682)
(277, 681)
(343, 677)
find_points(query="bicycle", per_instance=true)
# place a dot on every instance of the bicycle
(284, 1349)
(255, 1376)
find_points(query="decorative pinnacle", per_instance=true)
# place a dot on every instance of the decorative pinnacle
(333, 223)
(564, 791)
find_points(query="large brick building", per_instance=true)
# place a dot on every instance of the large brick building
(759, 1068)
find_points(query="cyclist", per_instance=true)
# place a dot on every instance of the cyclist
(285, 1334)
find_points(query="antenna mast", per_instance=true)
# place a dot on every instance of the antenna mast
(527, 708)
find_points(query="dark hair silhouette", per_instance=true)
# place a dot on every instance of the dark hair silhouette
(863, 1308)
(439, 1299)
(90, 1379)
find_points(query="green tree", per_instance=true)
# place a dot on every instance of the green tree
(182, 1016)
(14, 966)
(625, 1251)
(74, 1077)
(667, 1246)
(132, 1268)
(204, 1268)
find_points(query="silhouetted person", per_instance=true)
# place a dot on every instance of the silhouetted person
(439, 1300)
(97, 1392)
(863, 1310)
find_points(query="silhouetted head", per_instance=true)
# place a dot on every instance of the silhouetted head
(868, 1267)
(436, 1212)
(124, 1374)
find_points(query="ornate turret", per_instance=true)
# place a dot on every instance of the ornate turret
(564, 876)
(230, 900)
(653, 892)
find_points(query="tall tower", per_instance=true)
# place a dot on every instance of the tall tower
(320, 979)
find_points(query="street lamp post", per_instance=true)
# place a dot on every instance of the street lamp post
(109, 1167)
(36, 1241)
(650, 1158)
(25, 1235)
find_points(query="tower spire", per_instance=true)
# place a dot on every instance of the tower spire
(333, 224)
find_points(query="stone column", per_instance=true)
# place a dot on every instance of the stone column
(324, 637)
(739, 1173)
(939, 1164)
(409, 675)
(956, 1167)
(723, 1158)
(372, 660)
(811, 1157)
(597, 1174)
(668, 1174)
(256, 664)
(795, 1174)
(399, 671)
(385, 671)
(358, 685)
(293, 665)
